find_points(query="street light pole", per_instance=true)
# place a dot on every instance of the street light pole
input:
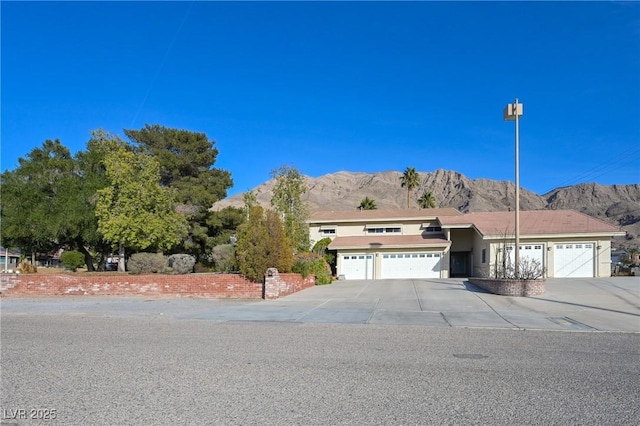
(511, 113)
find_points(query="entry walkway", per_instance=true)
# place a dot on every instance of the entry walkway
(611, 304)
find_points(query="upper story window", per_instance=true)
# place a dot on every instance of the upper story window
(382, 230)
(434, 229)
(328, 232)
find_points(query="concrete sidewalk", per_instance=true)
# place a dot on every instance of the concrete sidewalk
(609, 304)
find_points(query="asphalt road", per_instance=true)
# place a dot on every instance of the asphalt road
(162, 370)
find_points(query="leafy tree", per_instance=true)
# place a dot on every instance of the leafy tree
(367, 204)
(250, 199)
(287, 200)
(135, 211)
(222, 224)
(33, 214)
(410, 180)
(262, 244)
(427, 200)
(186, 162)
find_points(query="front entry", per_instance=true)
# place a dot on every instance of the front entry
(459, 264)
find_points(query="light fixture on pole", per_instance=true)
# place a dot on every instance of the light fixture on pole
(511, 113)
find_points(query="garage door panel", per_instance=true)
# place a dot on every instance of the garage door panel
(357, 267)
(574, 260)
(410, 265)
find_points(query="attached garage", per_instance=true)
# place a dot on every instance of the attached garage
(528, 251)
(410, 265)
(357, 266)
(574, 260)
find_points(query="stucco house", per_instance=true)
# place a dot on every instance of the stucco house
(444, 243)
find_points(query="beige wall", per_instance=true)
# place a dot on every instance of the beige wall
(350, 229)
(602, 260)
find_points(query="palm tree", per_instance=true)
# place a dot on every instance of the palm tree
(427, 200)
(367, 204)
(409, 179)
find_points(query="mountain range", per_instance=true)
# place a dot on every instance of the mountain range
(615, 204)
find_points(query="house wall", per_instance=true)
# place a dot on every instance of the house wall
(602, 253)
(379, 252)
(351, 229)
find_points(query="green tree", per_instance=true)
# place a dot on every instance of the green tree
(427, 200)
(135, 211)
(250, 199)
(186, 161)
(32, 213)
(287, 200)
(367, 204)
(410, 180)
(262, 244)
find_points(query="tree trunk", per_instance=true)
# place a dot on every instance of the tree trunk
(88, 259)
(121, 265)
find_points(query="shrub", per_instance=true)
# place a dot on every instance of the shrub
(222, 257)
(25, 267)
(146, 263)
(312, 263)
(180, 264)
(72, 260)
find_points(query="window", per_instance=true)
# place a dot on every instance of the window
(330, 231)
(382, 230)
(537, 247)
(578, 245)
(436, 255)
(484, 255)
(434, 229)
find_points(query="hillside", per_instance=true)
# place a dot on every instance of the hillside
(616, 204)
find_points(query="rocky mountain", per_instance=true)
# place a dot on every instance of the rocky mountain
(616, 204)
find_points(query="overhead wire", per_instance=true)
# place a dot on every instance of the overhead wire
(161, 66)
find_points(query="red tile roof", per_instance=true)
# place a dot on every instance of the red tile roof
(385, 215)
(389, 241)
(536, 222)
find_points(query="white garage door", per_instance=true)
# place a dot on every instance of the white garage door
(410, 265)
(357, 267)
(573, 260)
(528, 251)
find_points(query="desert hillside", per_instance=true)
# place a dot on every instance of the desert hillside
(616, 204)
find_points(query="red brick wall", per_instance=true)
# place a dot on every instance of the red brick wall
(201, 285)
(278, 285)
(511, 287)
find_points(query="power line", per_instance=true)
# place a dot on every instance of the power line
(164, 59)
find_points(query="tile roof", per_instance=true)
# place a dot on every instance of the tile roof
(535, 222)
(390, 215)
(389, 241)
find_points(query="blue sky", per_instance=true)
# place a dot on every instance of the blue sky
(331, 86)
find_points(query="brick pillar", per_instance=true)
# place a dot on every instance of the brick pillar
(272, 284)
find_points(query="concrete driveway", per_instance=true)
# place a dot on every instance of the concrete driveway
(610, 304)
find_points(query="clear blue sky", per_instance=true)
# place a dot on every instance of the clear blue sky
(330, 86)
